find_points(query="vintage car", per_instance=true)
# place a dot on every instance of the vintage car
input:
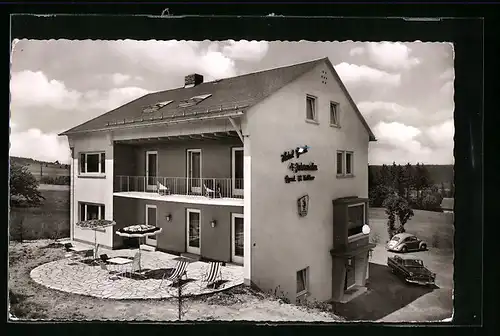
(411, 270)
(404, 242)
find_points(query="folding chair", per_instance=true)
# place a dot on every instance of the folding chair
(136, 266)
(179, 271)
(162, 190)
(214, 273)
(113, 276)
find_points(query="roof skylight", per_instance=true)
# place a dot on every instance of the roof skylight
(156, 107)
(194, 100)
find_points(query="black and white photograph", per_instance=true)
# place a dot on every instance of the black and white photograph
(231, 180)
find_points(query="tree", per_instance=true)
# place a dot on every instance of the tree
(422, 180)
(398, 213)
(443, 190)
(408, 180)
(24, 186)
(379, 193)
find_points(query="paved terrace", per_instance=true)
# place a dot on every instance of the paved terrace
(79, 278)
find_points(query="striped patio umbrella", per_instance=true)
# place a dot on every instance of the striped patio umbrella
(95, 224)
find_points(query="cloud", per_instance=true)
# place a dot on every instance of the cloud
(448, 74)
(352, 73)
(109, 100)
(40, 146)
(246, 50)
(176, 58)
(391, 55)
(397, 142)
(376, 111)
(357, 51)
(31, 89)
(442, 134)
(119, 79)
(447, 89)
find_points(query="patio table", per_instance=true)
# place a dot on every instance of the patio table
(119, 261)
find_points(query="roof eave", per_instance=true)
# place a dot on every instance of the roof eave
(149, 124)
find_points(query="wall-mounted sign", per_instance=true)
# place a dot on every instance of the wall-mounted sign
(296, 167)
(297, 152)
(303, 205)
(299, 178)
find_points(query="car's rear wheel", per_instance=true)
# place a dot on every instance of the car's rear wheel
(404, 249)
(423, 247)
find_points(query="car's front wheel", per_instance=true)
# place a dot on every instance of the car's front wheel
(423, 247)
(404, 249)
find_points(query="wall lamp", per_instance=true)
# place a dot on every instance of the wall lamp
(213, 223)
(168, 217)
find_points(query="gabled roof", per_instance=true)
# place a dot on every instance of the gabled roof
(230, 96)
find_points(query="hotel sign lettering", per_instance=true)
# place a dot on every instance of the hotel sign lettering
(297, 167)
(297, 152)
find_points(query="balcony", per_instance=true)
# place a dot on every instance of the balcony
(216, 191)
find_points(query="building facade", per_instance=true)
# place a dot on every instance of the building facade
(268, 170)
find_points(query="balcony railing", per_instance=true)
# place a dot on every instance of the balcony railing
(211, 187)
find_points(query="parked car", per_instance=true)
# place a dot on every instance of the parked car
(411, 270)
(404, 242)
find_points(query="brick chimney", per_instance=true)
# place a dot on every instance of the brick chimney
(193, 80)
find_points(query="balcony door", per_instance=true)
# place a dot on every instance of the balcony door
(194, 183)
(237, 171)
(193, 231)
(151, 219)
(151, 170)
(237, 238)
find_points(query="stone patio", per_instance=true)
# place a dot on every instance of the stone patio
(76, 277)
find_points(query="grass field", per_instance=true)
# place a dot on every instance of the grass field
(50, 220)
(436, 228)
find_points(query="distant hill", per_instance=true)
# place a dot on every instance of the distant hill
(42, 168)
(438, 173)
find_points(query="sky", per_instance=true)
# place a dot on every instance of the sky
(404, 90)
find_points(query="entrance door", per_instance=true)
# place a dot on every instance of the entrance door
(237, 171)
(349, 274)
(151, 170)
(193, 231)
(194, 171)
(237, 238)
(151, 219)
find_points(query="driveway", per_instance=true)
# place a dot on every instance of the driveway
(389, 299)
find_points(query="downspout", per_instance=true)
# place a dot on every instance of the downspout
(72, 181)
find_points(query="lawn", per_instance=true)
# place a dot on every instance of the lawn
(436, 228)
(29, 300)
(49, 220)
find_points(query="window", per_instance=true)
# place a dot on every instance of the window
(334, 114)
(156, 107)
(355, 219)
(340, 163)
(92, 163)
(345, 161)
(311, 108)
(194, 100)
(90, 211)
(302, 281)
(348, 163)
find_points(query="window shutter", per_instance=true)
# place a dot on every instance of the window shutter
(82, 211)
(103, 162)
(82, 163)
(103, 213)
